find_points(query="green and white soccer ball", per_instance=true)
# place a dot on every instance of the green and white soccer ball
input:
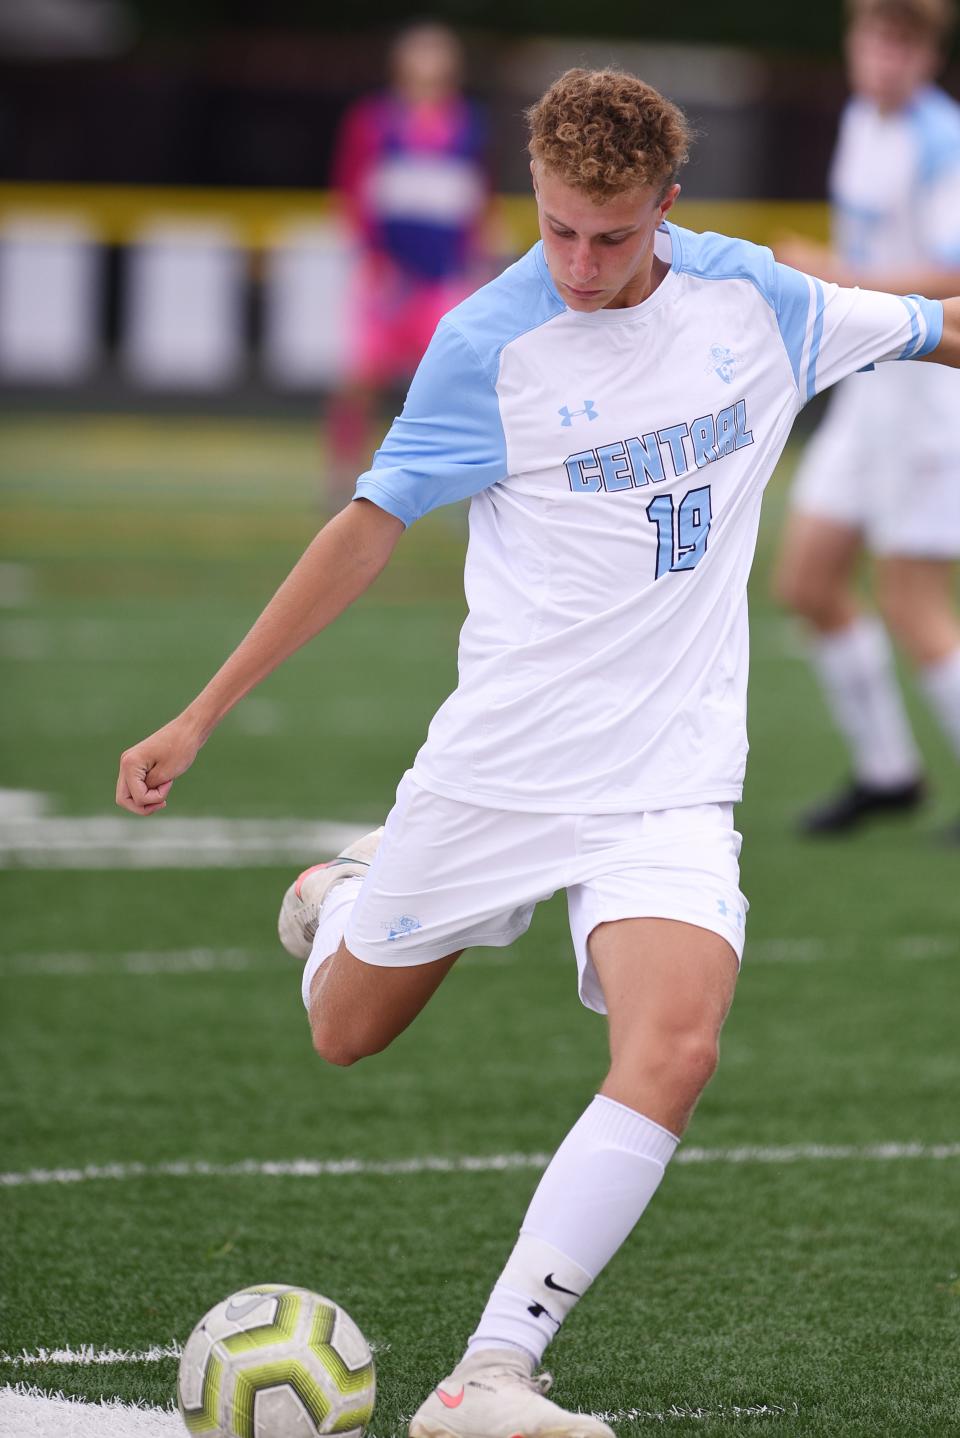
(276, 1362)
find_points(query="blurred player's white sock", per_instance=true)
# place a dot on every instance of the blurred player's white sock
(334, 913)
(597, 1185)
(941, 683)
(855, 666)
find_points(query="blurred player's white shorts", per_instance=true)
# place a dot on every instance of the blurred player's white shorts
(886, 460)
(451, 876)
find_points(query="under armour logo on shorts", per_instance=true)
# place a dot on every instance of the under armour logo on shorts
(567, 416)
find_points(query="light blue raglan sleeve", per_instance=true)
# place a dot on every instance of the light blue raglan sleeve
(937, 121)
(829, 332)
(940, 218)
(448, 443)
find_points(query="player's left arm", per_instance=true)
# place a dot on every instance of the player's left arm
(948, 350)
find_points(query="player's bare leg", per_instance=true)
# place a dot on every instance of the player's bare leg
(815, 569)
(916, 597)
(854, 662)
(355, 1008)
(668, 987)
(349, 417)
(358, 1009)
(916, 600)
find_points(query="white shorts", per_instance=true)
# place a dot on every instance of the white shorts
(886, 461)
(451, 876)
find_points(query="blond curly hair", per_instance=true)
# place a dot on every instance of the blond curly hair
(605, 131)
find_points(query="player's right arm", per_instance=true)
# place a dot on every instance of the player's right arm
(447, 444)
(341, 563)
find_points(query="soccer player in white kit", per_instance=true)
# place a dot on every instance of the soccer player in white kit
(613, 405)
(882, 472)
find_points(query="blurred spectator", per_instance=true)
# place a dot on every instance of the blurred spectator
(883, 471)
(410, 173)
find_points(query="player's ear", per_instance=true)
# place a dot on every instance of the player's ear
(669, 200)
(533, 176)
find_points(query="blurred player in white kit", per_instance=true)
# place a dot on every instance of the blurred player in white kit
(882, 473)
(613, 405)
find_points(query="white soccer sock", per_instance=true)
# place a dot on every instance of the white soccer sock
(855, 666)
(941, 682)
(597, 1185)
(334, 913)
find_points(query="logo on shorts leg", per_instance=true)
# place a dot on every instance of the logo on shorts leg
(724, 908)
(401, 926)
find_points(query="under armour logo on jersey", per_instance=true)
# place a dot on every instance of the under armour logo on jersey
(567, 416)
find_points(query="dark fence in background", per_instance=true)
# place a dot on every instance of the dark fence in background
(261, 109)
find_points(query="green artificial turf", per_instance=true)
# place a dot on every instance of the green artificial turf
(808, 1296)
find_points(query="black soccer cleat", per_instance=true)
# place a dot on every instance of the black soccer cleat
(858, 803)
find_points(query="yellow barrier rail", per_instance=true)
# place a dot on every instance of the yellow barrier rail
(117, 213)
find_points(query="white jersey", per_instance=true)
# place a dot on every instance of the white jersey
(895, 193)
(616, 462)
(895, 184)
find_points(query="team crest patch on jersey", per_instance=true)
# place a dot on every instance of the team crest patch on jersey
(567, 415)
(401, 926)
(723, 362)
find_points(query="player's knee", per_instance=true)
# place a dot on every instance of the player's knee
(343, 1043)
(333, 1050)
(678, 1062)
(797, 590)
(894, 603)
(914, 625)
(789, 589)
(694, 1059)
(335, 1044)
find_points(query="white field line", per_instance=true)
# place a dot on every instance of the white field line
(89, 1356)
(29, 1413)
(139, 961)
(686, 1411)
(163, 842)
(91, 714)
(17, 585)
(80, 963)
(846, 947)
(23, 804)
(31, 638)
(484, 1163)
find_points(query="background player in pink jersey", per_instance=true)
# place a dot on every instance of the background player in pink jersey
(410, 174)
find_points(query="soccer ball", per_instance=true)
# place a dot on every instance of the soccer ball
(276, 1362)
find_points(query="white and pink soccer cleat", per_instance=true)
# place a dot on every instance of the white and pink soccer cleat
(492, 1395)
(300, 910)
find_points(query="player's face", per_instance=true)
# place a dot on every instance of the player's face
(888, 62)
(600, 255)
(427, 62)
